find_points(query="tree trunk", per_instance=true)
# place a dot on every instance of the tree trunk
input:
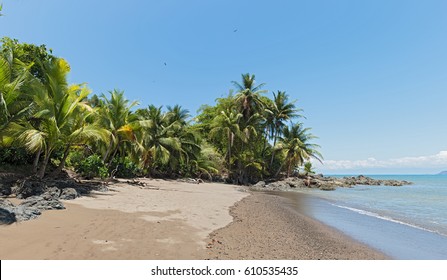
(36, 161)
(62, 164)
(41, 172)
(279, 170)
(273, 150)
(113, 156)
(229, 152)
(109, 149)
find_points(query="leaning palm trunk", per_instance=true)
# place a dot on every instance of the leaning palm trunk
(289, 169)
(43, 168)
(62, 163)
(109, 150)
(36, 161)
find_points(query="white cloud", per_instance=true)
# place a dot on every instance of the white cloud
(430, 161)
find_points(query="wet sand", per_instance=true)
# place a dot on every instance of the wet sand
(266, 227)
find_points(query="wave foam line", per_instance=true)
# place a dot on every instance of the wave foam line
(389, 219)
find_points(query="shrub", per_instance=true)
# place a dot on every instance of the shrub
(91, 167)
(124, 168)
(74, 158)
(15, 156)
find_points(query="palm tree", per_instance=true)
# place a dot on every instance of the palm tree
(80, 131)
(157, 140)
(279, 111)
(226, 125)
(14, 104)
(177, 118)
(308, 170)
(248, 97)
(296, 146)
(56, 109)
(178, 114)
(116, 116)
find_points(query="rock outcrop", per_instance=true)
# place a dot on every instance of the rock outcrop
(325, 183)
(7, 215)
(38, 196)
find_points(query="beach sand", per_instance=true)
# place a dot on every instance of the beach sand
(166, 220)
(171, 220)
(266, 227)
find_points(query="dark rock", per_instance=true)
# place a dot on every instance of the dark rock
(26, 188)
(53, 192)
(5, 189)
(324, 183)
(69, 194)
(42, 203)
(7, 215)
(25, 213)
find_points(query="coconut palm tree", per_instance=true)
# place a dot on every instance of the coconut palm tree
(248, 97)
(116, 116)
(279, 111)
(54, 120)
(14, 104)
(296, 146)
(226, 126)
(80, 131)
(157, 139)
(178, 114)
(308, 170)
(177, 119)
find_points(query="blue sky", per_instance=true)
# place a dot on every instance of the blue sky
(371, 76)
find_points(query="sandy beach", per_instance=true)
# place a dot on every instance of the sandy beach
(173, 220)
(266, 227)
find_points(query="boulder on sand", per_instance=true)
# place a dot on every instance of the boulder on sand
(7, 215)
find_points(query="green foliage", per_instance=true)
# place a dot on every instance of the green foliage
(308, 168)
(15, 156)
(91, 167)
(246, 136)
(74, 158)
(28, 54)
(124, 168)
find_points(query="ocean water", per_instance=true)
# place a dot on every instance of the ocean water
(408, 222)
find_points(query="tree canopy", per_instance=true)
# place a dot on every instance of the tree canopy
(242, 138)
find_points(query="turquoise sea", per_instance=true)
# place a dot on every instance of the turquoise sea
(408, 222)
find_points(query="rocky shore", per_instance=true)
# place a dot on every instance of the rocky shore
(36, 196)
(324, 183)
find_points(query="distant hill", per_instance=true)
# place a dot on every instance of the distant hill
(443, 173)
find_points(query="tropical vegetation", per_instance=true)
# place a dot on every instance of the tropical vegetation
(52, 125)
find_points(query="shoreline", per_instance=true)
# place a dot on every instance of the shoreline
(177, 221)
(266, 228)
